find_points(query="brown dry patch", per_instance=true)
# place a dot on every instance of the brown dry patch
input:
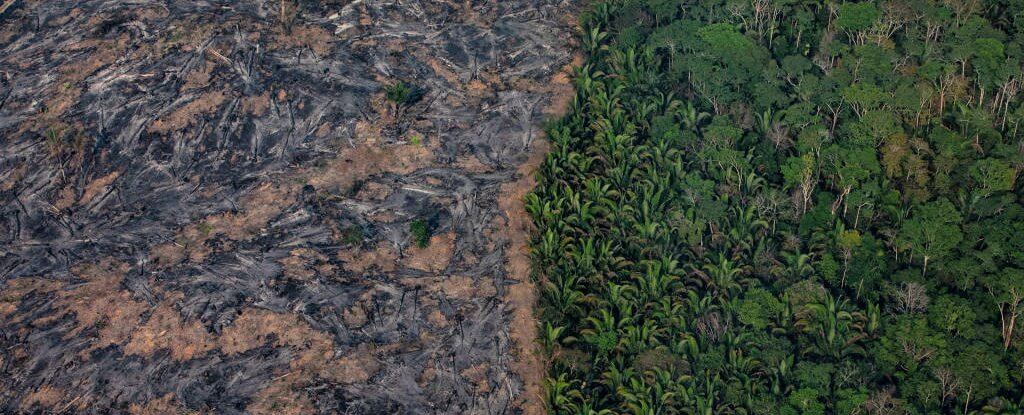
(437, 319)
(148, 13)
(472, 164)
(383, 216)
(166, 255)
(315, 38)
(16, 289)
(359, 261)
(91, 55)
(428, 375)
(258, 207)
(441, 68)
(370, 157)
(434, 257)
(7, 307)
(101, 53)
(456, 286)
(190, 35)
(254, 327)
(65, 198)
(303, 264)
(199, 77)
(478, 88)
(562, 88)
(521, 297)
(100, 301)
(561, 78)
(280, 398)
(455, 101)
(392, 45)
(323, 130)
(561, 93)
(139, 12)
(492, 77)
(187, 114)
(46, 396)
(13, 177)
(96, 187)
(315, 357)
(166, 329)
(56, 21)
(8, 32)
(256, 105)
(485, 84)
(358, 366)
(261, 205)
(465, 288)
(477, 375)
(372, 191)
(355, 316)
(160, 406)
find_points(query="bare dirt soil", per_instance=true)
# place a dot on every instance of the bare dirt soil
(205, 206)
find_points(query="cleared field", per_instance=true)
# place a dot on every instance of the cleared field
(222, 207)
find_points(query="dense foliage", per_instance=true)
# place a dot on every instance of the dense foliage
(792, 207)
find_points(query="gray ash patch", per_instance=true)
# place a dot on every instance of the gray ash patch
(206, 206)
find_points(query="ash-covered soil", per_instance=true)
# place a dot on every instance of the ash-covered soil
(205, 206)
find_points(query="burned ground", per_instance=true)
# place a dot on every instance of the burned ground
(206, 205)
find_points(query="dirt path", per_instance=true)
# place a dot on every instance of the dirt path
(206, 206)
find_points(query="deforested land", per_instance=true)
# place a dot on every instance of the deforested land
(272, 207)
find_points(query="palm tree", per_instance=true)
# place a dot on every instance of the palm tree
(658, 281)
(691, 117)
(599, 15)
(798, 266)
(618, 374)
(1003, 406)
(779, 375)
(549, 337)
(621, 298)
(636, 339)
(834, 330)
(722, 277)
(603, 332)
(593, 41)
(641, 398)
(562, 394)
(561, 294)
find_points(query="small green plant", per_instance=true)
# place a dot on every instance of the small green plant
(402, 95)
(352, 235)
(420, 233)
(204, 228)
(176, 36)
(53, 138)
(399, 93)
(416, 140)
(62, 141)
